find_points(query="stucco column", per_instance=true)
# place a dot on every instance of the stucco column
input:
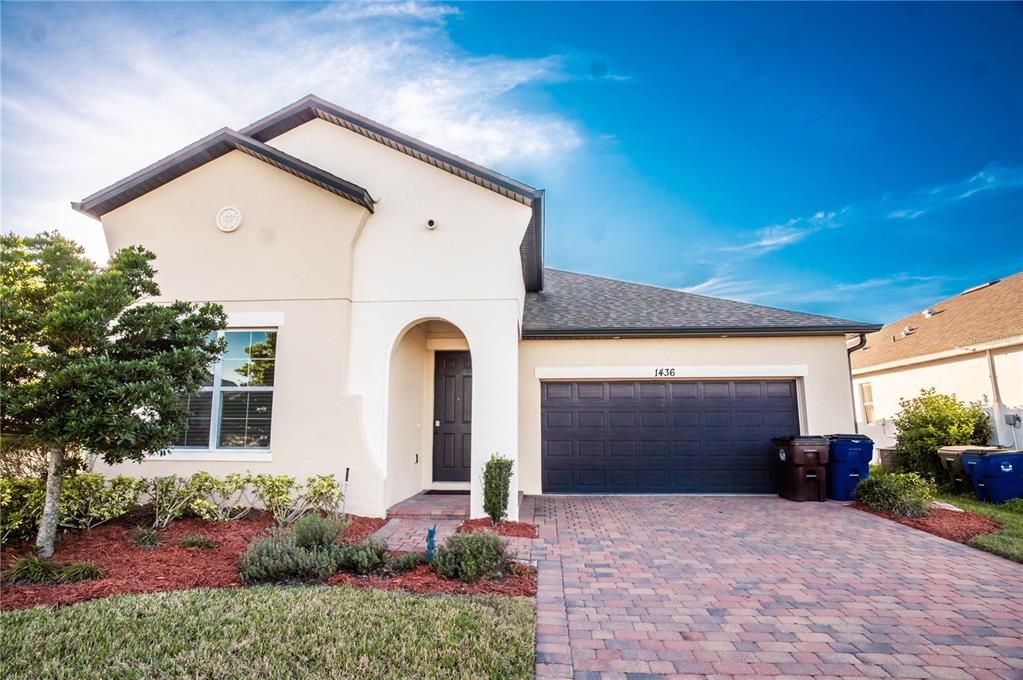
(495, 404)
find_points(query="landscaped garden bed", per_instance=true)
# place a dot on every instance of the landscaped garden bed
(518, 581)
(503, 528)
(960, 527)
(272, 632)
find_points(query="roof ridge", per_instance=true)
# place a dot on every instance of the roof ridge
(700, 295)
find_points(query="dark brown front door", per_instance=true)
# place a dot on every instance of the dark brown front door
(452, 417)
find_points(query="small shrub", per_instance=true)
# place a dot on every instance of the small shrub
(364, 556)
(78, 572)
(277, 494)
(220, 500)
(196, 541)
(406, 562)
(497, 475)
(31, 569)
(171, 496)
(146, 538)
(21, 507)
(278, 558)
(930, 421)
(905, 494)
(314, 531)
(470, 557)
(89, 499)
(322, 494)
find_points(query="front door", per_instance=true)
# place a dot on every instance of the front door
(452, 417)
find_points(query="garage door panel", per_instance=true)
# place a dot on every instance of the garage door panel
(667, 436)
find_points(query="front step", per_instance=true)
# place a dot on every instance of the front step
(432, 506)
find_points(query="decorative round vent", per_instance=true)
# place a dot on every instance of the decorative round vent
(229, 219)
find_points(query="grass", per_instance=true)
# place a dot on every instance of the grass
(269, 632)
(1008, 540)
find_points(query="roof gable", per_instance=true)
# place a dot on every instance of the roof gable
(579, 305)
(987, 313)
(207, 149)
(311, 106)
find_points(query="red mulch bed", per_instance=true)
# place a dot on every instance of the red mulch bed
(955, 526)
(423, 581)
(503, 528)
(130, 569)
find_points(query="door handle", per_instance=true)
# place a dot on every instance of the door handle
(436, 423)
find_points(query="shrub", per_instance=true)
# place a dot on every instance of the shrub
(196, 541)
(278, 558)
(497, 475)
(1014, 505)
(932, 420)
(21, 506)
(277, 495)
(287, 500)
(31, 569)
(470, 557)
(220, 500)
(364, 556)
(89, 499)
(322, 494)
(78, 572)
(314, 531)
(146, 538)
(171, 496)
(406, 562)
(905, 494)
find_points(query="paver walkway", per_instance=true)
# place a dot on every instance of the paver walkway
(690, 587)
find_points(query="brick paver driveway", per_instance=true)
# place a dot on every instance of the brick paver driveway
(637, 587)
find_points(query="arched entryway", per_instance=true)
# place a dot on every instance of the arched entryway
(429, 411)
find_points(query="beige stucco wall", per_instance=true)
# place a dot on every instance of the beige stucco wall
(967, 376)
(823, 386)
(405, 417)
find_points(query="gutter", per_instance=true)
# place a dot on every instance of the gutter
(860, 344)
(698, 332)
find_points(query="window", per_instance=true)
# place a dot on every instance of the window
(240, 393)
(867, 397)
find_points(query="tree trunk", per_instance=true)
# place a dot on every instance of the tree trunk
(51, 508)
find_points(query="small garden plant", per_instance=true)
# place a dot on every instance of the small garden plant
(32, 569)
(196, 541)
(905, 494)
(930, 421)
(497, 473)
(146, 538)
(470, 557)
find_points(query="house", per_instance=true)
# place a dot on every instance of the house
(390, 313)
(970, 345)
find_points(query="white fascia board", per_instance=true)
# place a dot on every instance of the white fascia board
(668, 372)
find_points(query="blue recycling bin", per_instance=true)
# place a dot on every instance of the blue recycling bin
(848, 464)
(996, 477)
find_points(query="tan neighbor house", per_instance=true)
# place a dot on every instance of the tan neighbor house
(389, 312)
(970, 345)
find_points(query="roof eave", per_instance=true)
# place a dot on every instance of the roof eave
(717, 331)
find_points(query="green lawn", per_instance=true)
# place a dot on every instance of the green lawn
(1007, 541)
(270, 632)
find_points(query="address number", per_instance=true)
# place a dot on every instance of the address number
(664, 372)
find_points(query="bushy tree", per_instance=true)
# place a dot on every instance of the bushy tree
(86, 364)
(932, 420)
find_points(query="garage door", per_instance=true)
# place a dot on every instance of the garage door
(664, 437)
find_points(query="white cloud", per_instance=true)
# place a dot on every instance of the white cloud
(92, 93)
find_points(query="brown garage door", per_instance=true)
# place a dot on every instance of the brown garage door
(664, 437)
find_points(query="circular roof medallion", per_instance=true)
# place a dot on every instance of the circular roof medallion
(229, 219)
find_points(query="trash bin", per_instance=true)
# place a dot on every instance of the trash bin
(888, 458)
(951, 460)
(802, 467)
(996, 477)
(848, 464)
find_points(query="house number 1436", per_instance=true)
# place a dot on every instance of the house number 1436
(664, 372)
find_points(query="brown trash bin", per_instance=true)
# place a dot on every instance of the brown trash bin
(802, 473)
(951, 460)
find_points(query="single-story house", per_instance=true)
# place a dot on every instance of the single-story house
(970, 345)
(390, 312)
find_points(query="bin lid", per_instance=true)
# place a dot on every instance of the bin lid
(850, 437)
(799, 439)
(973, 450)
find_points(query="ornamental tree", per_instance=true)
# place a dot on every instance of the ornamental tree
(86, 364)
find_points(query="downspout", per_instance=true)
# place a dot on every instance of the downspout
(860, 344)
(996, 399)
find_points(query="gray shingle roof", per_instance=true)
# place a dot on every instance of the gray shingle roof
(579, 305)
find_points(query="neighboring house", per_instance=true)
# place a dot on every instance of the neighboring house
(390, 312)
(970, 345)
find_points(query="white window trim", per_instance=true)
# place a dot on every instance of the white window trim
(670, 372)
(864, 403)
(243, 321)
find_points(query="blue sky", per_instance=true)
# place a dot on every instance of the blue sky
(859, 160)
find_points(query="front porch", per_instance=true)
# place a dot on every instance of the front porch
(442, 505)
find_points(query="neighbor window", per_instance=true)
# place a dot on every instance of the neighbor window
(234, 408)
(867, 397)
